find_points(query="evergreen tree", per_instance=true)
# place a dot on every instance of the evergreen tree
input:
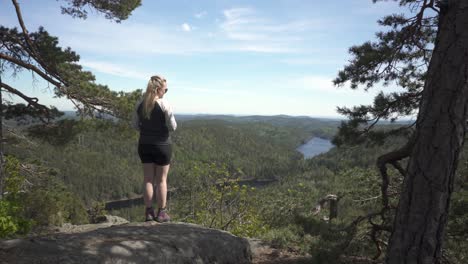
(427, 54)
(40, 53)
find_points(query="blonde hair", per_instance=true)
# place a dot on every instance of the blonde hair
(156, 82)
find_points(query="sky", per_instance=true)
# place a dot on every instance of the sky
(263, 57)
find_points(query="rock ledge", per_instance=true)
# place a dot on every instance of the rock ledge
(131, 243)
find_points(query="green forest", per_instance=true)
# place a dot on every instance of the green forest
(67, 174)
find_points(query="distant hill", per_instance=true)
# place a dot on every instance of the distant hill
(321, 127)
(253, 118)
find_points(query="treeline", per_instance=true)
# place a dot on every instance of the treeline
(98, 158)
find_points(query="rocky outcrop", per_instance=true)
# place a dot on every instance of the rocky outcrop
(130, 243)
(102, 222)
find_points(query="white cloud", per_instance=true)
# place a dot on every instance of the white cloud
(381, 8)
(186, 27)
(253, 32)
(313, 60)
(240, 29)
(315, 83)
(99, 36)
(264, 48)
(114, 69)
(201, 14)
(324, 85)
(218, 91)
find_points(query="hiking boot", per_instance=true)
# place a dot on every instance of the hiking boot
(162, 216)
(149, 214)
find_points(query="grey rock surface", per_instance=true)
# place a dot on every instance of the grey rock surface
(106, 221)
(131, 243)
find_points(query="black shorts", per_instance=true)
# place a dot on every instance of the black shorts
(158, 154)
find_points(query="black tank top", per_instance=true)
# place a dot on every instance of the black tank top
(154, 130)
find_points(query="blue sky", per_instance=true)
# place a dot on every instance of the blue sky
(219, 57)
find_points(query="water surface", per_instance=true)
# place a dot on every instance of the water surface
(314, 147)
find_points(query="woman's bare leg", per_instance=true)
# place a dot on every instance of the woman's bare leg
(161, 184)
(148, 172)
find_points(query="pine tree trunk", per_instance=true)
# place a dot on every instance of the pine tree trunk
(422, 212)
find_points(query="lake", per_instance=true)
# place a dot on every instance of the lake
(314, 147)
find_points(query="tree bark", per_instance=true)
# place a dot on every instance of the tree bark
(421, 216)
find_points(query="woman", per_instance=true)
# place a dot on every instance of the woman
(154, 119)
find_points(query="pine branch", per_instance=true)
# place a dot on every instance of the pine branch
(32, 101)
(31, 67)
(32, 48)
(391, 157)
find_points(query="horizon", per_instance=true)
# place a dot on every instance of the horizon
(241, 115)
(228, 57)
(334, 118)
